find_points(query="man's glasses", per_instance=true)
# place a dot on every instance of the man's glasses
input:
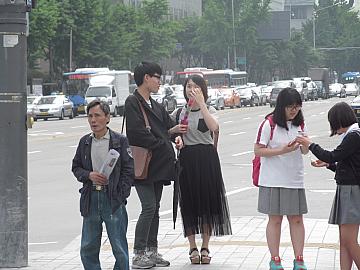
(156, 76)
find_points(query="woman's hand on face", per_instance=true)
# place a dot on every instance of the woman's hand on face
(197, 94)
(319, 163)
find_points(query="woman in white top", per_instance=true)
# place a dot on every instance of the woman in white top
(281, 179)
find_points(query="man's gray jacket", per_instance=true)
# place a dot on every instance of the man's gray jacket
(120, 180)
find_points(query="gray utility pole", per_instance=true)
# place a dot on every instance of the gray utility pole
(13, 135)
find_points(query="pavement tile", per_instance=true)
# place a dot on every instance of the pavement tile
(246, 249)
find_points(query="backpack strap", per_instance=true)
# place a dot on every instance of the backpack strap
(272, 126)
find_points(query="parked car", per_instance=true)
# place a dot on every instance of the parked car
(261, 91)
(273, 96)
(56, 106)
(355, 105)
(166, 96)
(216, 99)
(302, 87)
(312, 91)
(337, 89)
(351, 89)
(248, 96)
(231, 97)
(31, 103)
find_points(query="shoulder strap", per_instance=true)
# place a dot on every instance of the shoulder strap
(272, 126)
(147, 124)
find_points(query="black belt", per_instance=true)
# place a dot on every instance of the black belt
(100, 188)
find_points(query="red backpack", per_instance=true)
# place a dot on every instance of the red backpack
(256, 161)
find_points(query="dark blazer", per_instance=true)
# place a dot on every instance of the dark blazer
(161, 167)
(120, 180)
(344, 160)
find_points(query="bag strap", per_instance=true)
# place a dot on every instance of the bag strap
(147, 124)
(272, 126)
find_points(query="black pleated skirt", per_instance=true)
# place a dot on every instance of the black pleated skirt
(203, 205)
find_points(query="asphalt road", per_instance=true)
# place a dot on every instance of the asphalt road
(54, 217)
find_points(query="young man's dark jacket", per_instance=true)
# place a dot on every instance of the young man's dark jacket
(161, 167)
(120, 180)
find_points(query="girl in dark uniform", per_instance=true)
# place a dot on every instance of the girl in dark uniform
(204, 207)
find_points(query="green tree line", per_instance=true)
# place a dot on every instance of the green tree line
(107, 33)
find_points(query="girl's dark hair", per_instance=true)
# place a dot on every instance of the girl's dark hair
(198, 80)
(341, 116)
(287, 97)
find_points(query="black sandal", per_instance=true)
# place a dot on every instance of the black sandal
(205, 258)
(194, 256)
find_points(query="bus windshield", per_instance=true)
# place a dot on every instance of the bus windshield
(98, 91)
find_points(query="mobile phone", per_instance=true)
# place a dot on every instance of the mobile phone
(292, 143)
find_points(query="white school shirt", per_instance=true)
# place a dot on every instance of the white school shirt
(286, 170)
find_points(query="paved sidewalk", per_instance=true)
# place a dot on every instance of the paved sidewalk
(245, 249)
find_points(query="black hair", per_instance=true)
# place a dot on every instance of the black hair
(341, 115)
(103, 106)
(287, 97)
(145, 68)
(199, 81)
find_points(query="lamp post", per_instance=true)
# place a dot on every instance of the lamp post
(314, 17)
(233, 28)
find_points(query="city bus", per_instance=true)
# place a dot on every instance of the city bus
(214, 78)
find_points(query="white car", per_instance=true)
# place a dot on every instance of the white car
(355, 105)
(31, 103)
(56, 106)
(216, 98)
(351, 89)
(337, 89)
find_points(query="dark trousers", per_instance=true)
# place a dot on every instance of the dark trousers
(147, 226)
(116, 227)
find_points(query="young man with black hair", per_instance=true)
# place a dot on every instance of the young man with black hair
(161, 168)
(103, 199)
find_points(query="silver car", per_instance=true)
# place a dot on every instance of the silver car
(216, 99)
(56, 106)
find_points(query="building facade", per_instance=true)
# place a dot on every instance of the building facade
(300, 10)
(177, 8)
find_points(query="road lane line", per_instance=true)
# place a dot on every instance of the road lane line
(242, 153)
(242, 164)
(238, 133)
(246, 118)
(322, 112)
(39, 131)
(227, 122)
(322, 190)
(47, 134)
(238, 191)
(43, 243)
(72, 146)
(33, 152)
(78, 127)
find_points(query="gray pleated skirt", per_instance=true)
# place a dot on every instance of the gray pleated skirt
(346, 205)
(282, 201)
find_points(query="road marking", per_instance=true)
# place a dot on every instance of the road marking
(38, 131)
(72, 146)
(47, 134)
(238, 133)
(34, 152)
(242, 164)
(322, 190)
(227, 122)
(79, 127)
(238, 191)
(165, 212)
(322, 112)
(242, 153)
(247, 118)
(314, 115)
(43, 243)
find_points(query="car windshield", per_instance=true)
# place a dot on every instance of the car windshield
(276, 90)
(30, 100)
(98, 91)
(319, 83)
(281, 84)
(244, 91)
(47, 100)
